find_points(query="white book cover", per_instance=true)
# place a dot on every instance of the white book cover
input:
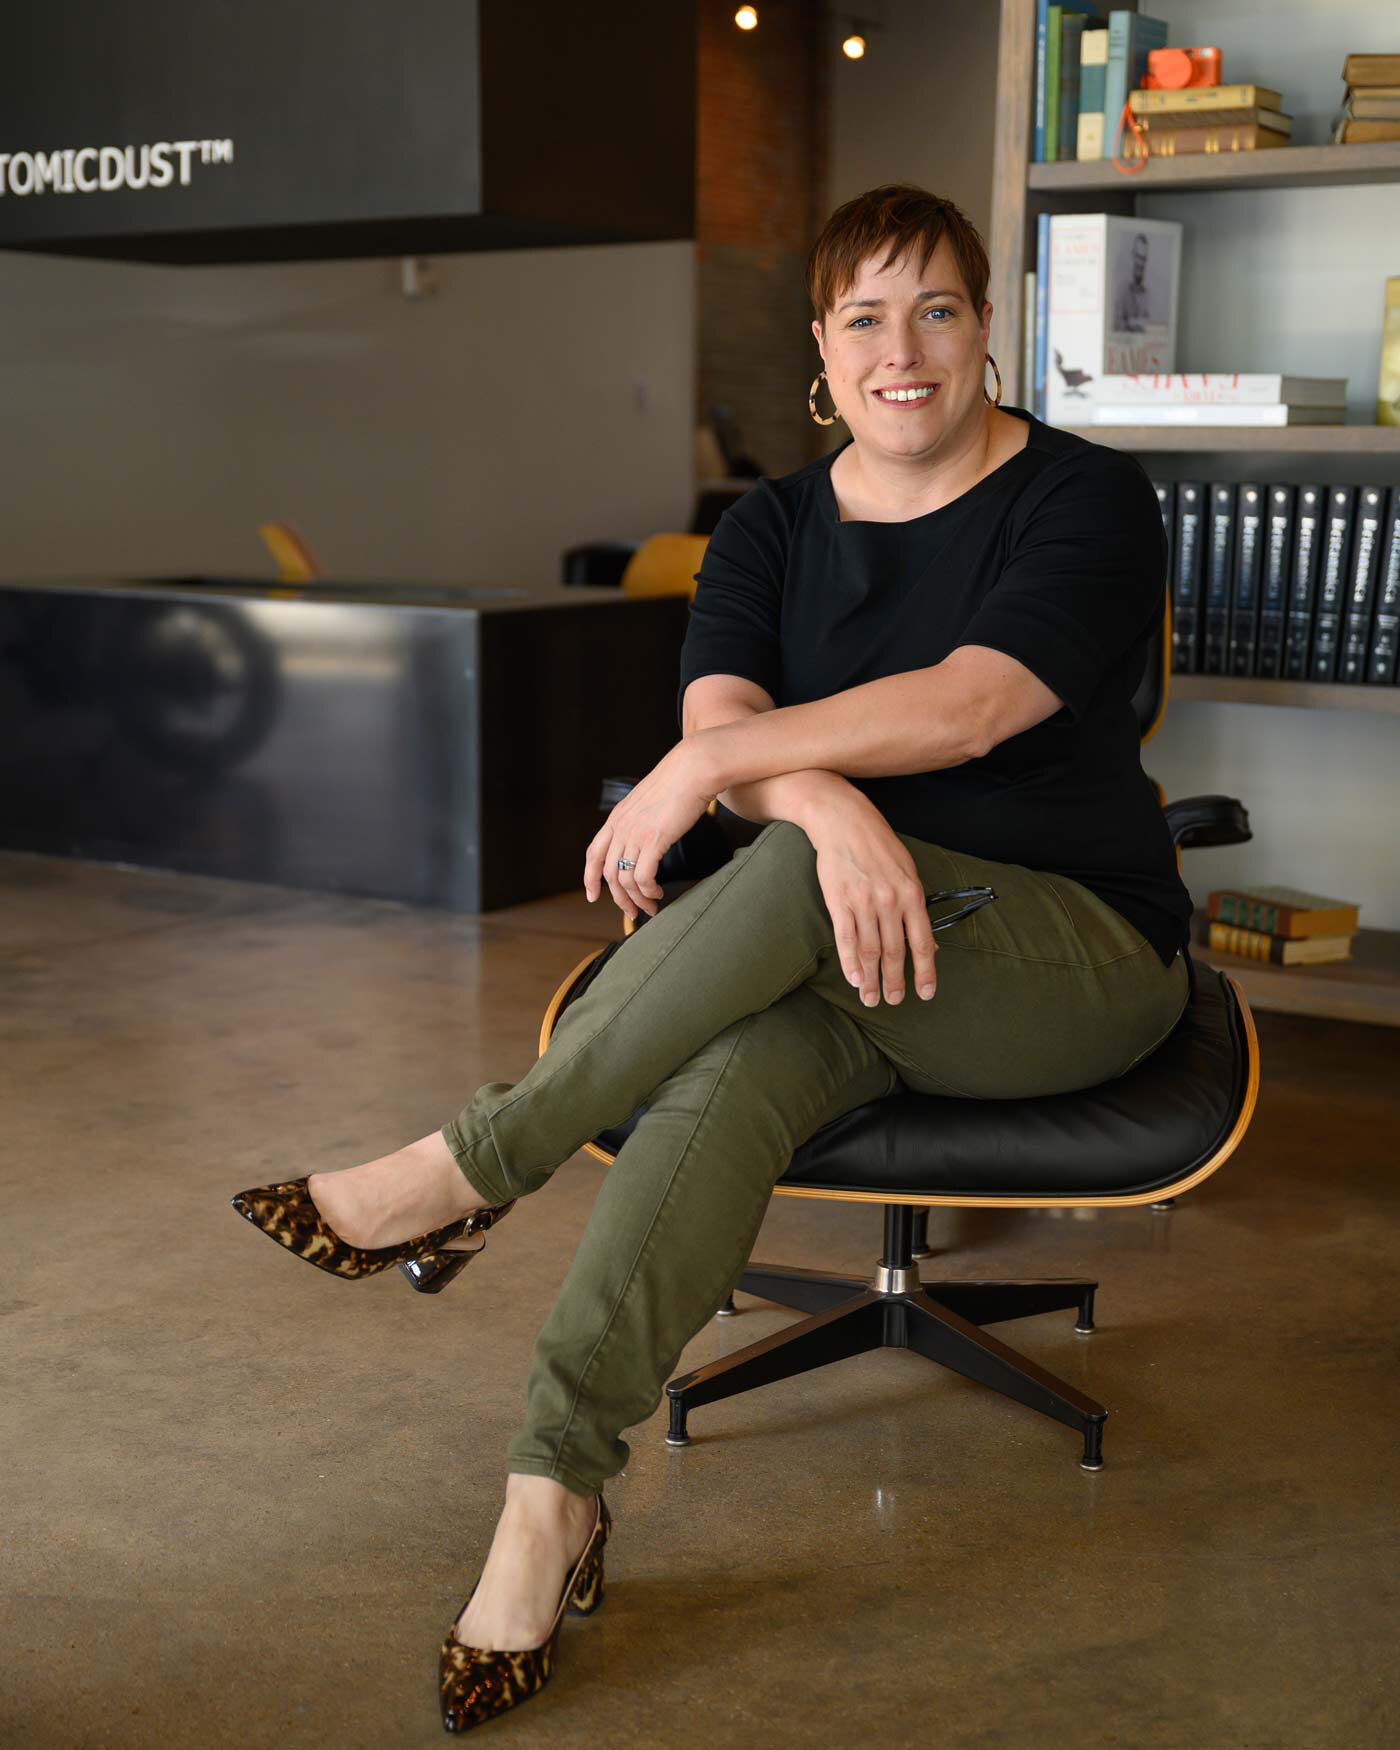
(1112, 305)
(1093, 52)
(1121, 413)
(1238, 388)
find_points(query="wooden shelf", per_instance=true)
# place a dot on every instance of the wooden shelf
(1280, 440)
(1364, 988)
(1277, 167)
(1309, 695)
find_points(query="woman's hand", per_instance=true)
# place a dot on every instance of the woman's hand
(643, 827)
(875, 896)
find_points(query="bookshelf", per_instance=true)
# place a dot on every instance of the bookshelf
(1278, 167)
(1257, 440)
(1366, 988)
(1220, 689)
(1021, 190)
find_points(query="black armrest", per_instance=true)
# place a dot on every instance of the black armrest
(1207, 820)
(597, 562)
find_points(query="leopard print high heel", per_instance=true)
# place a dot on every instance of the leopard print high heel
(287, 1214)
(476, 1684)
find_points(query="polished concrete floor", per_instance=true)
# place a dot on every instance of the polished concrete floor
(241, 1501)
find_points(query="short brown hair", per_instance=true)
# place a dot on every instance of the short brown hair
(908, 219)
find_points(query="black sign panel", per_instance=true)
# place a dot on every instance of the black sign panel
(124, 118)
(259, 130)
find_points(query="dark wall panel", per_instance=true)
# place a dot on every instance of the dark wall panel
(335, 110)
(253, 130)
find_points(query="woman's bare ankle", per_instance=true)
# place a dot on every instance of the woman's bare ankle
(397, 1196)
(546, 1502)
(542, 1531)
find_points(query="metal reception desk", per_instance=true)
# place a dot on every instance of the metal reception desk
(433, 744)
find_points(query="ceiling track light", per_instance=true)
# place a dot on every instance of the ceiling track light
(856, 40)
(853, 44)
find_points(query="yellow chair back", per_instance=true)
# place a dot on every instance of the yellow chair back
(295, 561)
(665, 565)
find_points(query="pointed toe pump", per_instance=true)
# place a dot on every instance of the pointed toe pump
(287, 1214)
(476, 1684)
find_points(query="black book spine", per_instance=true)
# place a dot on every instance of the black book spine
(1385, 636)
(1273, 594)
(1187, 549)
(1361, 585)
(1244, 601)
(1166, 503)
(1302, 581)
(1182, 503)
(1215, 634)
(1332, 582)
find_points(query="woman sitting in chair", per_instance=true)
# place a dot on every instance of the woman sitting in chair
(914, 659)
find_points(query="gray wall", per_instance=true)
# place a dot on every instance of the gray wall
(1280, 280)
(154, 416)
(919, 107)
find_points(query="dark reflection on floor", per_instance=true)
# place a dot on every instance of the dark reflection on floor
(242, 1500)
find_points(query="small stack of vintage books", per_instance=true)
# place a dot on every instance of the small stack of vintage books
(1207, 118)
(1371, 109)
(1279, 924)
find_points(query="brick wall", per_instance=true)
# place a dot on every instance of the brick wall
(761, 176)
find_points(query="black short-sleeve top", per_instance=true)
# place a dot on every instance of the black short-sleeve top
(1057, 557)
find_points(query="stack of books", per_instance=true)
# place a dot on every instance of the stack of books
(1217, 398)
(1371, 110)
(1280, 924)
(1086, 63)
(1106, 296)
(1207, 118)
(1287, 582)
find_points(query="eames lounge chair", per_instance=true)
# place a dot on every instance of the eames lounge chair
(1146, 1137)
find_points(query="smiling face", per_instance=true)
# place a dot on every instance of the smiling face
(886, 333)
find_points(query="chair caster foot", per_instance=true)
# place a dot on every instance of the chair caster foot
(728, 1310)
(676, 1434)
(1083, 1466)
(1166, 1203)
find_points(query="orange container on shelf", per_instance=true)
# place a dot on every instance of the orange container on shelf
(1179, 69)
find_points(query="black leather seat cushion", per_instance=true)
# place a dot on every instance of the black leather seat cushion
(1149, 1128)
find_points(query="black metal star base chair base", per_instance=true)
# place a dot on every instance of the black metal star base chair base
(851, 1314)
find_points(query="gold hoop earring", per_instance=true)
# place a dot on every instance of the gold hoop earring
(985, 396)
(812, 402)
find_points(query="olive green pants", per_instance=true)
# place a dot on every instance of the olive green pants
(729, 1015)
